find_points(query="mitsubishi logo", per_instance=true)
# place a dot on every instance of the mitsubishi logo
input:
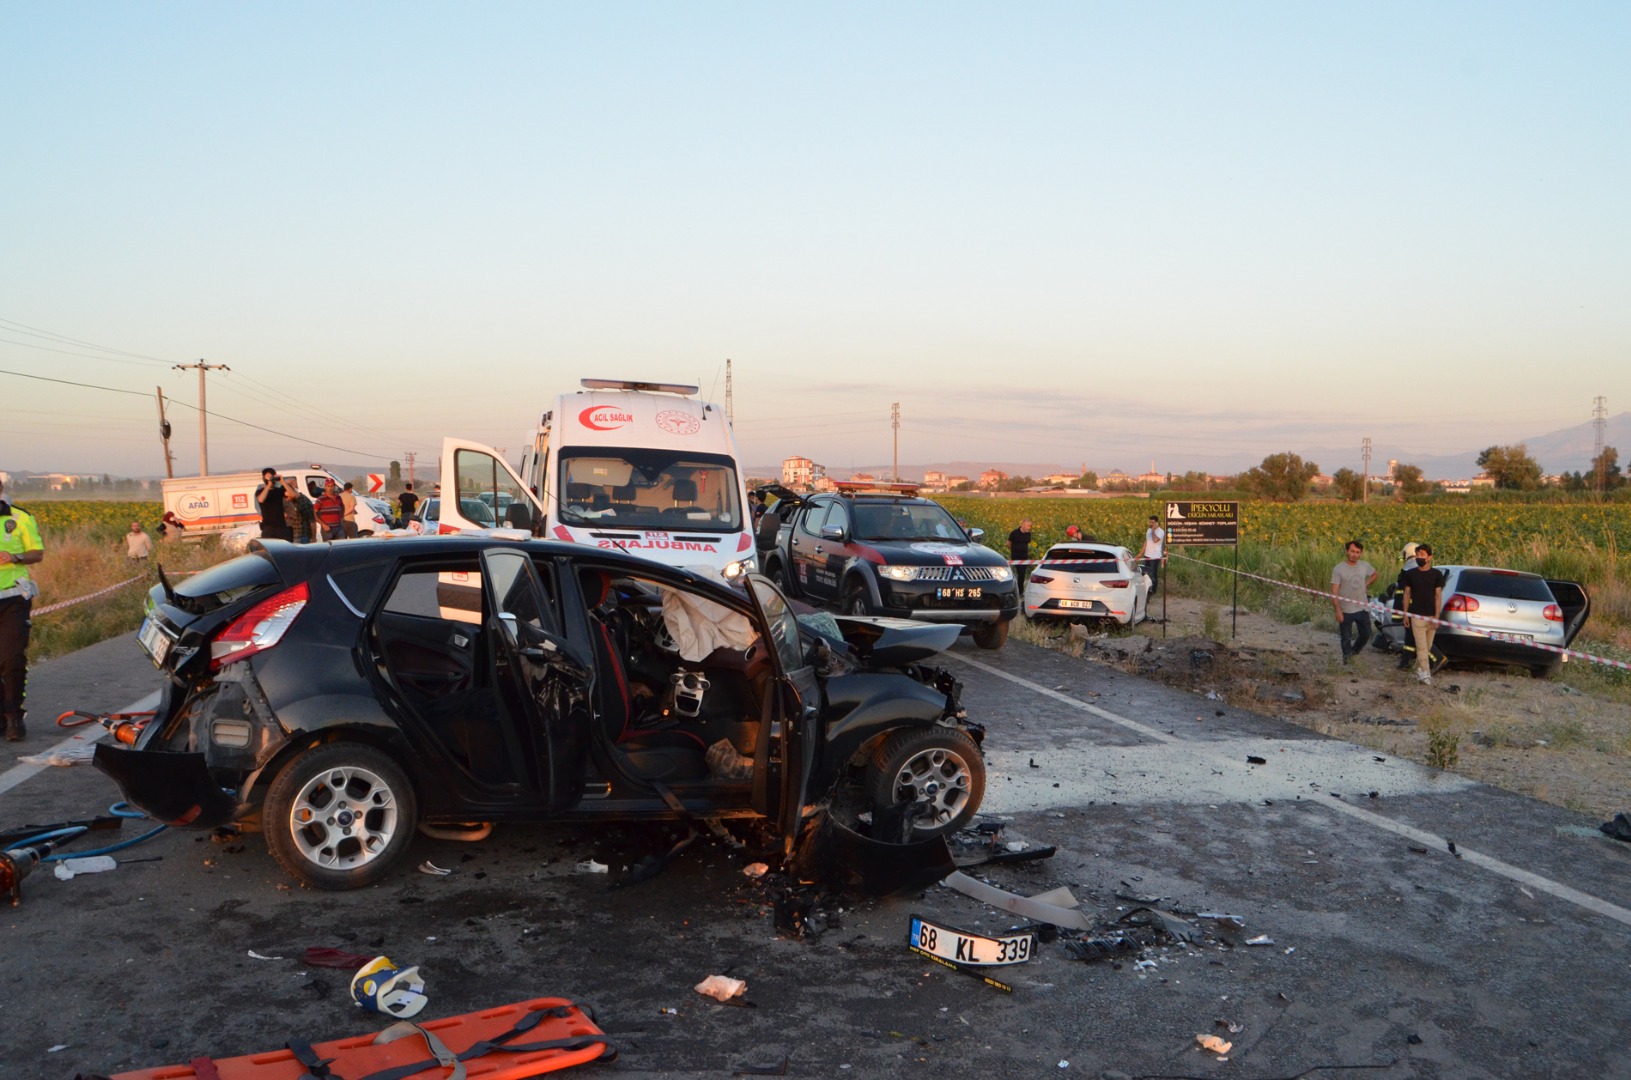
(957, 574)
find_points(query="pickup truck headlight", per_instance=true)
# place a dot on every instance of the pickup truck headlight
(899, 573)
(1002, 573)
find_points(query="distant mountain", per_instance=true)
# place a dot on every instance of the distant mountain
(970, 469)
(1565, 450)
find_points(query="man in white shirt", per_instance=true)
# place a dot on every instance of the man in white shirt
(1154, 552)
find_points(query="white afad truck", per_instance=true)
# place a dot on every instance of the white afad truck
(226, 501)
(640, 467)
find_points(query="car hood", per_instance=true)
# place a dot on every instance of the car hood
(880, 641)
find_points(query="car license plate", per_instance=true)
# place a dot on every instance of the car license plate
(154, 641)
(1076, 604)
(961, 947)
(957, 593)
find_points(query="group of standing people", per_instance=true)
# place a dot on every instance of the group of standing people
(1421, 585)
(288, 513)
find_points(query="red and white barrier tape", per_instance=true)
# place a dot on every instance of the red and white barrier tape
(47, 609)
(1383, 609)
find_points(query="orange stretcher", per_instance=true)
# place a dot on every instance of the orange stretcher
(510, 1042)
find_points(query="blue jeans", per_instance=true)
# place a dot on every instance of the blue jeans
(1359, 623)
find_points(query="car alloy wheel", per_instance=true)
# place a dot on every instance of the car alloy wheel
(340, 816)
(937, 769)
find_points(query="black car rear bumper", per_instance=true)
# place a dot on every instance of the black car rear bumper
(174, 788)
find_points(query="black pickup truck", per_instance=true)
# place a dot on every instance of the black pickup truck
(881, 550)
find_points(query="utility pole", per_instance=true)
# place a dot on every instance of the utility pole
(1599, 421)
(894, 422)
(410, 455)
(1364, 484)
(730, 398)
(164, 436)
(203, 415)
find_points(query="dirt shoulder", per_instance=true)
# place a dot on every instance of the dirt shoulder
(1544, 738)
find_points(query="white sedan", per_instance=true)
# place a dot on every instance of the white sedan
(1076, 582)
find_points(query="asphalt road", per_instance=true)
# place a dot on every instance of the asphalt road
(1507, 958)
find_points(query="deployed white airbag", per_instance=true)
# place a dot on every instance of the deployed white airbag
(700, 626)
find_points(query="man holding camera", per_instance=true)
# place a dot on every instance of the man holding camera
(269, 497)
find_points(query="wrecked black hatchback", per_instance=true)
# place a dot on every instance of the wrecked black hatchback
(349, 693)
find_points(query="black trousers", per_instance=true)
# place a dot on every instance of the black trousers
(14, 628)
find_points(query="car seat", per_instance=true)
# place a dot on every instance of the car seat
(669, 755)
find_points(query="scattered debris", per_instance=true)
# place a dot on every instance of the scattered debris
(590, 866)
(1260, 939)
(380, 986)
(1033, 908)
(1618, 829)
(428, 867)
(755, 870)
(1253, 759)
(253, 955)
(90, 864)
(1214, 1044)
(721, 987)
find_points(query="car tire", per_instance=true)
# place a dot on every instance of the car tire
(939, 768)
(856, 601)
(991, 635)
(778, 576)
(340, 816)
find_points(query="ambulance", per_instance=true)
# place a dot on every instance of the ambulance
(641, 467)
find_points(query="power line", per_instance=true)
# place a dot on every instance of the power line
(184, 405)
(51, 336)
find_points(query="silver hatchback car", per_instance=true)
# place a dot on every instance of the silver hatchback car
(1480, 600)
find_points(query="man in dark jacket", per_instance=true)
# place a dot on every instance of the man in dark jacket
(1423, 596)
(1019, 549)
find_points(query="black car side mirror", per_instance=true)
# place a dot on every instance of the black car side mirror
(832, 532)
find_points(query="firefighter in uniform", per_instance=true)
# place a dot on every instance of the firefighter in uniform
(19, 546)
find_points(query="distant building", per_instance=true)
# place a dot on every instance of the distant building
(955, 482)
(800, 472)
(934, 479)
(992, 477)
(865, 477)
(1113, 480)
(1061, 478)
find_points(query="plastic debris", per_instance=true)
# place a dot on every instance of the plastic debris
(1617, 828)
(755, 870)
(428, 867)
(382, 987)
(590, 866)
(1214, 1044)
(253, 955)
(57, 1048)
(1260, 939)
(90, 864)
(664, 1010)
(721, 987)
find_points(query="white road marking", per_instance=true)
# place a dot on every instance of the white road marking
(1177, 777)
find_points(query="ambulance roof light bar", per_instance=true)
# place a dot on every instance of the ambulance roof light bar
(630, 384)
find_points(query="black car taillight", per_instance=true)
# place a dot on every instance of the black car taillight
(259, 628)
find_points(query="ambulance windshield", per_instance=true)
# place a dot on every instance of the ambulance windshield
(649, 489)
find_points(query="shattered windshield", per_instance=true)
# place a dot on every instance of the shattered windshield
(906, 521)
(649, 489)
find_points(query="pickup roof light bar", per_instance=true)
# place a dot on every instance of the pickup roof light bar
(682, 389)
(874, 487)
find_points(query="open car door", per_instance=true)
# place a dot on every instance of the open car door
(785, 754)
(480, 491)
(1571, 596)
(541, 686)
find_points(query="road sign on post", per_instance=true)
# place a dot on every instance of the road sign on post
(1206, 524)
(376, 483)
(1203, 524)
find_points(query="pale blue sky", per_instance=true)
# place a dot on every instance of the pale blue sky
(1053, 232)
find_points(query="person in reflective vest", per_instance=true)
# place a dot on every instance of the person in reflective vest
(20, 547)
